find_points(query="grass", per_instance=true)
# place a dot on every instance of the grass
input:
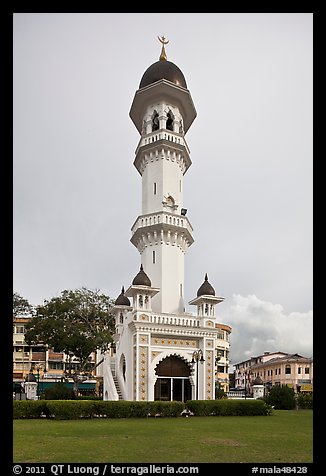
(286, 436)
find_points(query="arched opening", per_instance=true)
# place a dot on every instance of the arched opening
(155, 122)
(170, 202)
(172, 381)
(123, 366)
(169, 121)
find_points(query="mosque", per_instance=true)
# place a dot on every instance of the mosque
(161, 351)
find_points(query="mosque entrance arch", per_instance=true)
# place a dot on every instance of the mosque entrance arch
(172, 381)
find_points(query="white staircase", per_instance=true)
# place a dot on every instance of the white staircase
(117, 386)
(111, 389)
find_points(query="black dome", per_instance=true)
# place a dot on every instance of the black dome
(206, 288)
(163, 70)
(258, 381)
(141, 279)
(122, 300)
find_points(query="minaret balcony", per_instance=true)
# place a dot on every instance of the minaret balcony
(163, 134)
(162, 218)
(162, 227)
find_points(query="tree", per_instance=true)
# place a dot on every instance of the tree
(20, 306)
(58, 392)
(281, 397)
(78, 322)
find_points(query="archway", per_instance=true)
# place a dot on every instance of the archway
(172, 381)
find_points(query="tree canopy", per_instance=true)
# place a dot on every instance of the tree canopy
(78, 322)
(21, 306)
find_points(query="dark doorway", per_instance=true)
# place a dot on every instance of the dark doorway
(172, 380)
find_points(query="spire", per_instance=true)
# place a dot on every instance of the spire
(164, 41)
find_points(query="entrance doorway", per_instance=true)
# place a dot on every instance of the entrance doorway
(172, 380)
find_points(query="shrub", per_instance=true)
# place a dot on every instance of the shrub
(29, 409)
(219, 393)
(130, 409)
(70, 409)
(88, 397)
(111, 408)
(75, 409)
(305, 401)
(58, 392)
(228, 407)
(281, 397)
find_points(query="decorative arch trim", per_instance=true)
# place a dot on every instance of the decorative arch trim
(167, 353)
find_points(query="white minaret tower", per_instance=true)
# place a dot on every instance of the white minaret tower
(163, 111)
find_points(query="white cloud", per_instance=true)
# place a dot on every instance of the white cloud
(259, 326)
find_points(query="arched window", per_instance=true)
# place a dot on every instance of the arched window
(170, 201)
(172, 380)
(155, 122)
(169, 121)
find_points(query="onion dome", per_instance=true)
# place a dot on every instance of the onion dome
(258, 381)
(141, 279)
(163, 69)
(206, 288)
(122, 300)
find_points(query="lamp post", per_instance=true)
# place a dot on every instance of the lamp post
(197, 356)
(38, 368)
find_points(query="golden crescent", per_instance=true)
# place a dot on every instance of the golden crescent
(162, 40)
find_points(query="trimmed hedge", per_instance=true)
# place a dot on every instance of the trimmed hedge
(74, 409)
(228, 407)
(30, 409)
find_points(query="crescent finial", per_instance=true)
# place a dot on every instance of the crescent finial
(164, 41)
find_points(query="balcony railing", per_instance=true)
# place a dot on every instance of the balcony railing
(165, 135)
(161, 218)
(175, 320)
(38, 356)
(56, 356)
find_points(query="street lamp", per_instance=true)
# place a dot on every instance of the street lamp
(38, 368)
(197, 356)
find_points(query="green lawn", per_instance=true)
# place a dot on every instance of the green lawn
(286, 436)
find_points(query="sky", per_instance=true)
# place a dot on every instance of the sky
(248, 193)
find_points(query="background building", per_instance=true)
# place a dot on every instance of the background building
(47, 365)
(276, 368)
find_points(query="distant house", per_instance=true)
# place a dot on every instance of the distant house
(276, 368)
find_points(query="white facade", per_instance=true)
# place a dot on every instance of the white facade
(156, 341)
(162, 234)
(257, 391)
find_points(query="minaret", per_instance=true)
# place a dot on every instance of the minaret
(163, 111)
